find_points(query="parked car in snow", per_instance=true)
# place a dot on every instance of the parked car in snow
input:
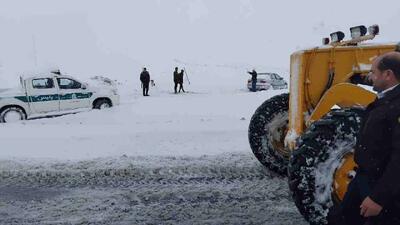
(52, 94)
(267, 80)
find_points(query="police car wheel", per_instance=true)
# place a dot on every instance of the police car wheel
(102, 104)
(105, 105)
(12, 114)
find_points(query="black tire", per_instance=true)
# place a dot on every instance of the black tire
(102, 103)
(263, 137)
(313, 163)
(12, 109)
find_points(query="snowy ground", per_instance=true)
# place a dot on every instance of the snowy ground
(223, 189)
(163, 159)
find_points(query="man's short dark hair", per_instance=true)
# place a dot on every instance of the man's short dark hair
(390, 62)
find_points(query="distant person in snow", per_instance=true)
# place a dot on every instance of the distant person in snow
(176, 79)
(180, 81)
(145, 79)
(253, 74)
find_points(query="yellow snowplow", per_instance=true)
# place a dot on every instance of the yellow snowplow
(309, 133)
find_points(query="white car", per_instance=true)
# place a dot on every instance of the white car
(52, 94)
(267, 80)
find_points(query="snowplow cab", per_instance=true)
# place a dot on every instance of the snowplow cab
(309, 133)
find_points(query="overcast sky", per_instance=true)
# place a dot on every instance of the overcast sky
(119, 37)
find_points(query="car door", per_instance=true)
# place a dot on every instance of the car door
(277, 80)
(73, 95)
(43, 95)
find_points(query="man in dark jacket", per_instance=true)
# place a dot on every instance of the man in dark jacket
(373, 196)
(253, 74)
(145, 79)
(176, 79)
(180, 81)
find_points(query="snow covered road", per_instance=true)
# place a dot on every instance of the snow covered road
(222, 189)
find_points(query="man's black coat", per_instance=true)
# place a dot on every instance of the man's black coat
(176, 76)
(377, 151)
(145, 77)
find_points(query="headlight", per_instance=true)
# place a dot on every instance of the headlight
(373, 30)
(337, 36)
(358, 31)
(325, 41)
(115, 92)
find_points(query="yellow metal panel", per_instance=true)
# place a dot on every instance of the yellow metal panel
(343, 95)
(343, 175)
(310, 73)
(341, 61)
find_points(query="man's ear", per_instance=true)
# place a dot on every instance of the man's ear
(390, 75)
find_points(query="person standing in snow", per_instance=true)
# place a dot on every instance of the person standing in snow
(253, 74)
(145, 79)
(176, 79)
(180, 81)
(373, 196)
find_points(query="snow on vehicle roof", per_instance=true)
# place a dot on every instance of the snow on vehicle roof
(41, 75)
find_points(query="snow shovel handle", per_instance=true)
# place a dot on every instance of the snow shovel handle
(187, 77)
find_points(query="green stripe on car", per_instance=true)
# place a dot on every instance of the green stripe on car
(55, 97)
(76, 96)
(43, 98)
(22, 98)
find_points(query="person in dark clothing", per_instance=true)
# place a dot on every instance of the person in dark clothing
(253, 74)
(180, 81)
(373, 196)
(176, 79)
(145, 79)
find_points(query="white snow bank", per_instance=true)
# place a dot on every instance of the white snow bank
(202, 122)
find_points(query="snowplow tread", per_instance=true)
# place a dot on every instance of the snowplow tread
(262, 116)
(337, 125)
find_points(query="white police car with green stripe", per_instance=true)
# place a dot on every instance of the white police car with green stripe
(52, 94)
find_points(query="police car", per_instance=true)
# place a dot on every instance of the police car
(52, 94)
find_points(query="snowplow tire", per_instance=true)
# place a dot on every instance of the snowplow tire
(260, 137)
(312, 165)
